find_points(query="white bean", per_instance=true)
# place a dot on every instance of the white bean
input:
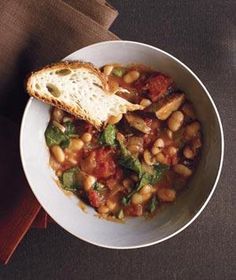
(188, 153)
(166, 195)
(192, 130)
(159, 143)
(58, 153)
(155, 150)
(146, 189)
(86, 137)
(76, 144)
(131, 76)
(182, 170)
(161, 158)
(137, 198)
(172, 150)
(175, 121)
(145, 102)
(88, 182)
(148, 158)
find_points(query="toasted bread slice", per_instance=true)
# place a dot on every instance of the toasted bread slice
(78, 88)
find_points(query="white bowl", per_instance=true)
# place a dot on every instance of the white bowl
(136, 232)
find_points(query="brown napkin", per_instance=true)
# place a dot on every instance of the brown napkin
(34, 33)
(100, 11)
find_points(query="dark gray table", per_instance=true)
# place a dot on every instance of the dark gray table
(201, 34)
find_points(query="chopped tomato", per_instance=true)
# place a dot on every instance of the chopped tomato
(111, 183)
(94, 198)
(102, 163)
(115, 179)
(134, 210)
(158, 86)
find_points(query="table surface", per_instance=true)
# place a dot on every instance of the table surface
(202, 35)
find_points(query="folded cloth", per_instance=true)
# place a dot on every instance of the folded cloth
(18, 206)
(33, 33)
(102, 12)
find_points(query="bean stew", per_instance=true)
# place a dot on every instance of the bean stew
(141, 159)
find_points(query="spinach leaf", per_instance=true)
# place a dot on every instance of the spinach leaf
(147, 178)
(129, 161)
(108, 136)
(54, 136)
(69, 180)
(65, 143)
(70, 128)
(153, 204)
(159, 171)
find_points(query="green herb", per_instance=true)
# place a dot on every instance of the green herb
(129, 161)
(64, 144)
(147, 178)
(119, 72)
(153, 204)
(108, 136)
(159, 171)
(54, 136)
(69, 179)
(70, 128)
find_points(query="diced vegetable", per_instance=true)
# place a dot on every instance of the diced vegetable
(54, 136)
(129, 161)
(158, 86)
(169, 105)
(99, 163)
(121, 214)
(138, 123)
(140, 159)
(153, 204)
(94, 198)
(108, 136)
(118, 71)
(69, 179)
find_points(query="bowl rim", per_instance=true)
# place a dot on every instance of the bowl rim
(196, 215)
